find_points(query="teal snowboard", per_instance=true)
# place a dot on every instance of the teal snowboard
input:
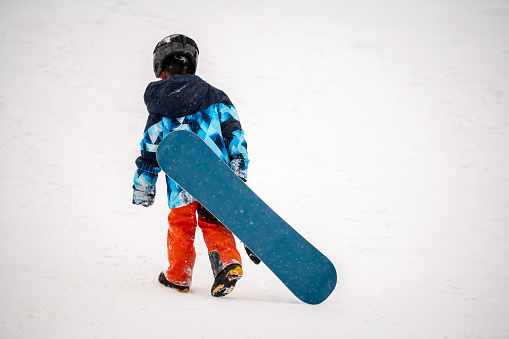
(192, 164)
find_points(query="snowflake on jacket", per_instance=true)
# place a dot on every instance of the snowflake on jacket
(186, 102)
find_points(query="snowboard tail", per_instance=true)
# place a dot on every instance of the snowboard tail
(192, 164)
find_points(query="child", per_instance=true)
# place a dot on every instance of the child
(183, 101)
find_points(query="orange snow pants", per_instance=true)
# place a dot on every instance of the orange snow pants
(219, 240)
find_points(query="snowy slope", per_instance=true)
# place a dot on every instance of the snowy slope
(378, 129)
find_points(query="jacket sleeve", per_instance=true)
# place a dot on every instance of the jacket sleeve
(235, 142)
(145, 178)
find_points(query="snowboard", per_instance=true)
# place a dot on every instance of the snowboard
(192, 164)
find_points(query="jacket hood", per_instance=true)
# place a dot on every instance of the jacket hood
(181, 95)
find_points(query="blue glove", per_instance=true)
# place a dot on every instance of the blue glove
(145, 181)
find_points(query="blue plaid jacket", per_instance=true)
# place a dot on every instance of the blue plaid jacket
(186, 102)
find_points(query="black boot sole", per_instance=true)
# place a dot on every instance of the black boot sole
(165, 282)
(226, 280)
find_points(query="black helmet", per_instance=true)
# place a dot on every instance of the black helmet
(177, 45)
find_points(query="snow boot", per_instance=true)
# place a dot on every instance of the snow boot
(225, 280)
(165, 282)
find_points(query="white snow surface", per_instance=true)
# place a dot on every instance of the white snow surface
(377, 128)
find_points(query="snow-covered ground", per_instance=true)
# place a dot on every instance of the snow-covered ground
(378, 129)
